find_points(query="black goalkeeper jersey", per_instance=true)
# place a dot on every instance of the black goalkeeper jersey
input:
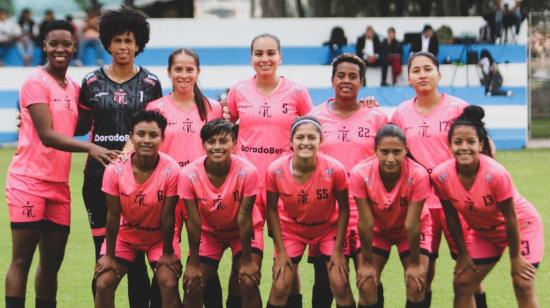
(112, 105)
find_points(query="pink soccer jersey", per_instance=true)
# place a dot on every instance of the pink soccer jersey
(349, 139)
(478, 205)
(389, 208)
(308, 208)
(219, 206)
(32, 158)
(427, 133)
(141, 204)
(182, 139)
(264, 121)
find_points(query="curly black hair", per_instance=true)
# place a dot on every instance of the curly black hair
(59, 24)
(349, 58)
(125, 19)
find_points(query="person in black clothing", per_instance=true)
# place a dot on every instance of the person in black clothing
(368, 47)
(491, 78)
(426, 41)
(392, 50)
(108, 98)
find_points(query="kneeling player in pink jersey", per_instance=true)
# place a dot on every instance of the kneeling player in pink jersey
(308, 183)
(37, 183)
(481, 190)
(141, 199)
(390, 190)
(219, 191)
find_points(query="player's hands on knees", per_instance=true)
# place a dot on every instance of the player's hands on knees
(366, 273)
(171, 262)
(192, 277)
(415, 276)
(251, 270)
(105, 264)
(103, 155)
(281, 264)
(464, 263)
(339, 264)
(369, 102)
(522, 268)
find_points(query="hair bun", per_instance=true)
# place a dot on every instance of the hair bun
(473, 112)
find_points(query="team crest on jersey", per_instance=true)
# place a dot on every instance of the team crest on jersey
(120, 97)
(278, 171)
(218, 203)
(264, 110)
(488, 178)
(168, 171)
(241, 173)
(343, 134)
(443, 177)
(187, 126)
(410, 181)
(303, 197)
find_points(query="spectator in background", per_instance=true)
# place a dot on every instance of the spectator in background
(48, 18)
(491, 78)
(392, 50)
(336, 43)
(368, 47)
(427, 41)
(9, 33)
(25, 44)
(507, 8)
(90, 38)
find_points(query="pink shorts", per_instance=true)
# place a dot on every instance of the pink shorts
(126, 252)
(383, 240)
(486, 247)
(211, 248)
(32, 201)
(320, 247)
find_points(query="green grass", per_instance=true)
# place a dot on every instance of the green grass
(529, 168)
(540, 128)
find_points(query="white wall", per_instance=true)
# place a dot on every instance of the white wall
(295, 31)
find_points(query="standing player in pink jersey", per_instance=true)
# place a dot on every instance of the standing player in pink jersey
(308, 183)
(37, 183)
(265, 105)
(219, 191)
(481, 190)
(426, 119)
(349, 127)
(186, 109)
(141, 199)
(390, 190)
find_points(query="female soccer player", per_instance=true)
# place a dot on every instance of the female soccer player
(349, 127)
(309, 184)
(37, 183)
(265, 105)
(390, 190)
(219, 191)
(481, 190)
(426, 119)
(109, 97)
(141, 194)
(187, 110)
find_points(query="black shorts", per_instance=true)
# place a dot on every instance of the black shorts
(95, 202)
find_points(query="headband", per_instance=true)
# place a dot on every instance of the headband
(302, 121)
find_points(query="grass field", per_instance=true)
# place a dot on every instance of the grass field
(529, 168)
